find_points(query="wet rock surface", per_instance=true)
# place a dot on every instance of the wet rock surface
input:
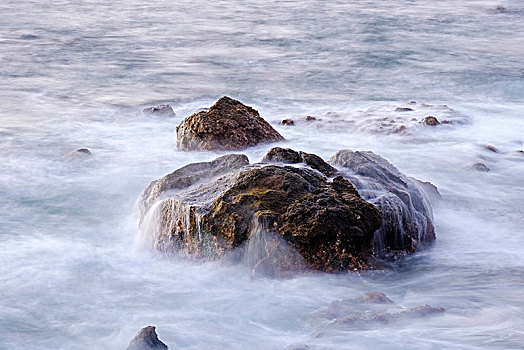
(147, 339)
(189, 175)
(227, 125)
(287, 217)
(407, 218)
(369, 310)
(289, 156)
(431, 121)
(164, 110)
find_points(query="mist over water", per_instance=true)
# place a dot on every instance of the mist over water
(73, 274)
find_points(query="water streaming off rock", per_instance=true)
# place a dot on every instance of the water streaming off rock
(78, 75)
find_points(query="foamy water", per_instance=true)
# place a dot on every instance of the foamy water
(73, 274)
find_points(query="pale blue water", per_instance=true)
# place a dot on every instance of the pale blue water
(78, 73)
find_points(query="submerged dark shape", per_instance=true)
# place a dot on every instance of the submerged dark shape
(369, 310)
(407, 218)
(81, 153)
(160, 110)
(146, 339)
(481, 167)
(227, 125)
(403, 109)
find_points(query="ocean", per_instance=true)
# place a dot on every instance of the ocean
(77, 74)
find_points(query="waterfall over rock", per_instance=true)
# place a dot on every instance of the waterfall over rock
(407, 218)
(285, 215)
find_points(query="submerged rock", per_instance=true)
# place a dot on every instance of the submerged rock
(407, 218)
(389, 119)
(481, 167)
(368, 310)
(227, 125)
(288, 122)
(146, 339)
(490, 148)
(160, 110)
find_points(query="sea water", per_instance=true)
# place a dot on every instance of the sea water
(75, 74)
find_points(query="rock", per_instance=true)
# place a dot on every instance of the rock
(400, 129)
(369, 310)
(189, 175)
(310, 118)
(81, 153)
(288, 122)
(403, 109)
(160, 110)
(481, 167)
(289, 156)
(490, 148)
(146, 339)
(228, 125)
(300, 219)
(430, 120)
(407, 218)
(412, 102)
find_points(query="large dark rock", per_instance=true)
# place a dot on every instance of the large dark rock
(146, 339)
(407, 218)
(285, 218)
(227, 125)
(286, 215)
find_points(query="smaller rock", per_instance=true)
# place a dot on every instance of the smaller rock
(81, 153)
(310, 118)
(289, 156)
(412, 102)
(400, 129)
(403, 109)
(146, 339)
(160, 110)
(413, 119)
(446, 122)
(287, 122)
(490, 148)
(431, 121)
(227, 125)
(84, 150)
(481, 167)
